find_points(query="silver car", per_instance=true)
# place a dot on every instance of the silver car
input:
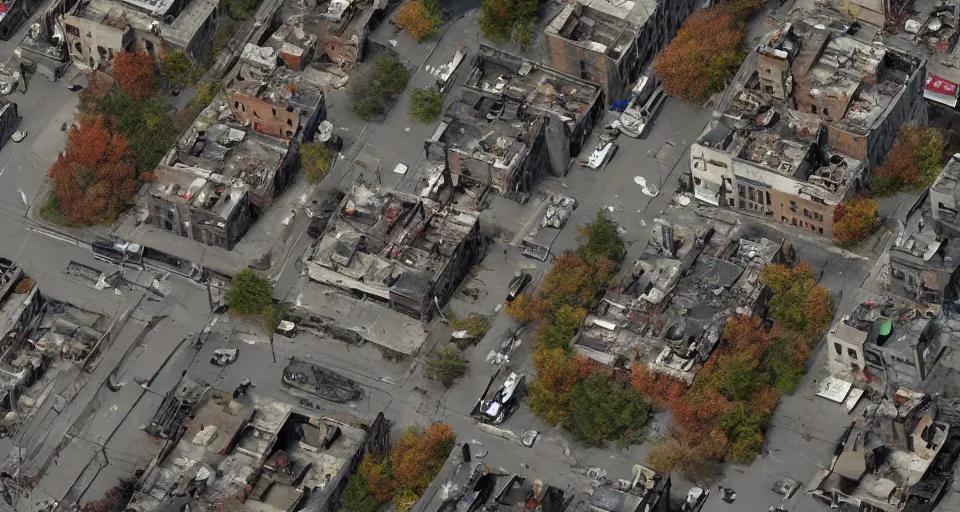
(638, 117)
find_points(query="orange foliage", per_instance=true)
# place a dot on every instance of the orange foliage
(664, 389)
(418, 456)
(527, 308)
(416, 20)
(135, 74)
(706, 51)
(571, 281)
(855, 220)
(97, 177)
(744, 334)
(377, 474)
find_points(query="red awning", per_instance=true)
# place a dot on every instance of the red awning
(941, 86)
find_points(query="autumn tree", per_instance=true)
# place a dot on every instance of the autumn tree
(526, 308)
(854, 220)
(135, 74)
(913, 162)
(557, 372)
(562, 325)
(508, 20)
(665, 390)
(94, 179)
(315, 160)
(419, 18)
(357, 497)
(706, 52)
(418, 456)
(799, 303)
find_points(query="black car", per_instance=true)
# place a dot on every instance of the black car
(517, 285)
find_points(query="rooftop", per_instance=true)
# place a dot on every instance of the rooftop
(668, 312)
(258, 75)
(905, 322)
(178, 20)
(216, 162)
(603, 26)
(389, 242)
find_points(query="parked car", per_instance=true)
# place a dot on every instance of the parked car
(517, 285)
(637, 119)
(505, 400)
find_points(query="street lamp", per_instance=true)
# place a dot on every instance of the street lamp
(656, 157)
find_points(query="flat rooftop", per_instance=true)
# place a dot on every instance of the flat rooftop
(187, 15)
(602, 26)
(908, 320)
(388, 242)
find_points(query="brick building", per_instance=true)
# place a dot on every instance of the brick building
(611, 42)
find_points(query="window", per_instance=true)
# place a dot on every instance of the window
(838, 348)
(730, 202)
(813, 109)
(817, 216)
(768, 198)
(236, 105)
(853, 353)
(820, 230)
(793, 221)
(102, 52)
(289, 133)
(274, 111)
(289, 108)
(806, 212)
(826, 113)
(742, 204)
(740, 191)
(72, 30)
(697, 181)
(768, 89)
(289, 122)
(793, 206)
(783, 219)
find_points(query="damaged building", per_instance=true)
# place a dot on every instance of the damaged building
(611, 42)
(406, 252)
(251, 454)
(516, 123)
(277, 99)
(923, 264)
(669, 310)
(96, 30)
(812, 110)
(887, 459)
(945, 199)
(218, 178)
(333, 31)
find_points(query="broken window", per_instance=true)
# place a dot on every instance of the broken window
(289, 122)
(793, 206)
(813, 109)
(697, 181)
(838, 348)
(821, 230)
(730, 202)
(274, 111)
(806, 212)
(72, 30)
(768, 199)
(102, 52)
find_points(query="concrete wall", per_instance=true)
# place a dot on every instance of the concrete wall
(199, 225)
(92, 44)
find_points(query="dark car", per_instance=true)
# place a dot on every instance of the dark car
(517, 285)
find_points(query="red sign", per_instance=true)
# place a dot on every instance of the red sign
(941, 86)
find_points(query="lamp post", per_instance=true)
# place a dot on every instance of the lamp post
(654, 156)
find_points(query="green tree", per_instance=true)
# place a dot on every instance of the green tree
(599, 239)
(913, 162)
(508, 20)
(375, 90)
(242, 9)
(603, 408)
(357, 497)
(249, 294)
(425, 105)
(562, 326)
(446, 365)
(315, 160)
(146, 124)
(174, 64)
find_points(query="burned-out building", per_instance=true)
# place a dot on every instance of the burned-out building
(885, 457)
(810, 111)
(669, 310)
(333, 31)
(217, 178)
(402, 250)
(96, 30)
(924, 263)
(278, 100)
(251, 453)
(611, 42)
(945, 199)
(516, 123)
(890, 342)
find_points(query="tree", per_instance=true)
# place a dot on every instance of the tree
(315, 160)
(557, 373)
(240, 10)
(249, 294)
(562, 326)
(146, 124)
(665, 390)
(914, 161)
(447, 365)
(175, 64)
(418, 19)
(603, 408)
(696, 458)
(376, 472)
(854, 220)
(508, 20)
(599, 239)
(135, 74)
(475, 324)
(425, 105)
(706, 52)
(527, 308)
(357, 497)
(95, 178)
(115, 500)
(374, 91)
(418, 456)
